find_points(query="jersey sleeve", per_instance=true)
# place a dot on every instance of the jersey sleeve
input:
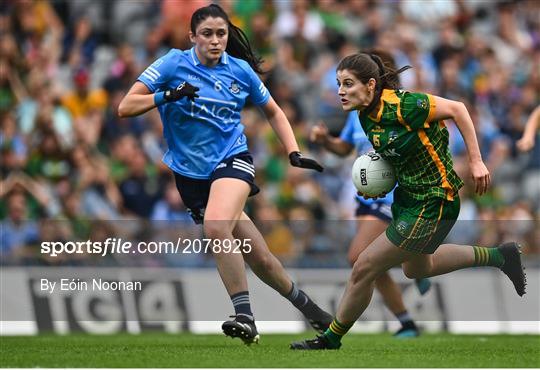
(156, 76)
(348, 131)
(417, 110)
(258, 93)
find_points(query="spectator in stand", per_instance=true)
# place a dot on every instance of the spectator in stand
(17, 230)
(141, 188)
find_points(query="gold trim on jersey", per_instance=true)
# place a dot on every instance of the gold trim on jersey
(411, 234)
(417, 221)
(438, 221)
(440, 166)
(390, 97)
(432, 109)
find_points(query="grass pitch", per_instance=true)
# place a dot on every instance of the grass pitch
(188, 350)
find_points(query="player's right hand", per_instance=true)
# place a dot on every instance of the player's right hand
(319, 133)
(185, 89)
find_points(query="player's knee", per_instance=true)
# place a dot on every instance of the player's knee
(352, 256)
(363, 271)
(264, 263)
(216, 230)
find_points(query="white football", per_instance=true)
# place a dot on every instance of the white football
(372, 175)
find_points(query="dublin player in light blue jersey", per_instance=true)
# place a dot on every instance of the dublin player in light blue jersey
(199, 94)
(373, 217)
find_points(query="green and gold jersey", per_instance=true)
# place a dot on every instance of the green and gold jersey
(404, 133)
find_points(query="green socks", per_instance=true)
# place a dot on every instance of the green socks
(487, 257)
(336, 331)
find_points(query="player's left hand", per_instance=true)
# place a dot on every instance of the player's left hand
(298, 160)
(185, 89)
(481, 176)
(367, 197)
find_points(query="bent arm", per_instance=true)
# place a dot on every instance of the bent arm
(457, 111)
(138, 100)
(338, 146)
(319, 134)
(526, 142)
(280, 124)
(533, 123)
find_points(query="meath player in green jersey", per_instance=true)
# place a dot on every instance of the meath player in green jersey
(408, 130)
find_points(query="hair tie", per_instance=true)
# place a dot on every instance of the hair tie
(377, 61)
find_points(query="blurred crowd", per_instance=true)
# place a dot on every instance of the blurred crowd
(72, 170)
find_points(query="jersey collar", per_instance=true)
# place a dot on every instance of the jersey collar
(223, 60)
(387, 95)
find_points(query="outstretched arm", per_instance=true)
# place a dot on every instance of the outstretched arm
(458, 112)
(526, 142)
(281, 126)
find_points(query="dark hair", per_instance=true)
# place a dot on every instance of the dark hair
(238, 44)
(370, 65)
(376, 64)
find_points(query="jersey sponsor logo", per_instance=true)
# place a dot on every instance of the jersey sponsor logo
(209, 109)
(193, 77)
(378, 129)
(234, 88)
(391, 153)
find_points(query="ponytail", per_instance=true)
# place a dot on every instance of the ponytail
(387, 74)
(239, 47)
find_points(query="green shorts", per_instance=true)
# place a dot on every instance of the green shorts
(421, 225)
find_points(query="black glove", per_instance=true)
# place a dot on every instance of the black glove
(298, 160)
(185, 89)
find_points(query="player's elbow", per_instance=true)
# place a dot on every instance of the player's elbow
(123, 109)
(345, 149)
(458, 109)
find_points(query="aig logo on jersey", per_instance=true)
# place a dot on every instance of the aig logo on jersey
(234, 88)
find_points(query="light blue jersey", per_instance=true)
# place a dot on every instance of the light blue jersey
(353, 134)
(202, 133)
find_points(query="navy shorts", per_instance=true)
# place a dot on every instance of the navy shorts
(195, 192)
(382, 211)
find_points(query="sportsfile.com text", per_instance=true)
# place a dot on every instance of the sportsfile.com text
(121, 246)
